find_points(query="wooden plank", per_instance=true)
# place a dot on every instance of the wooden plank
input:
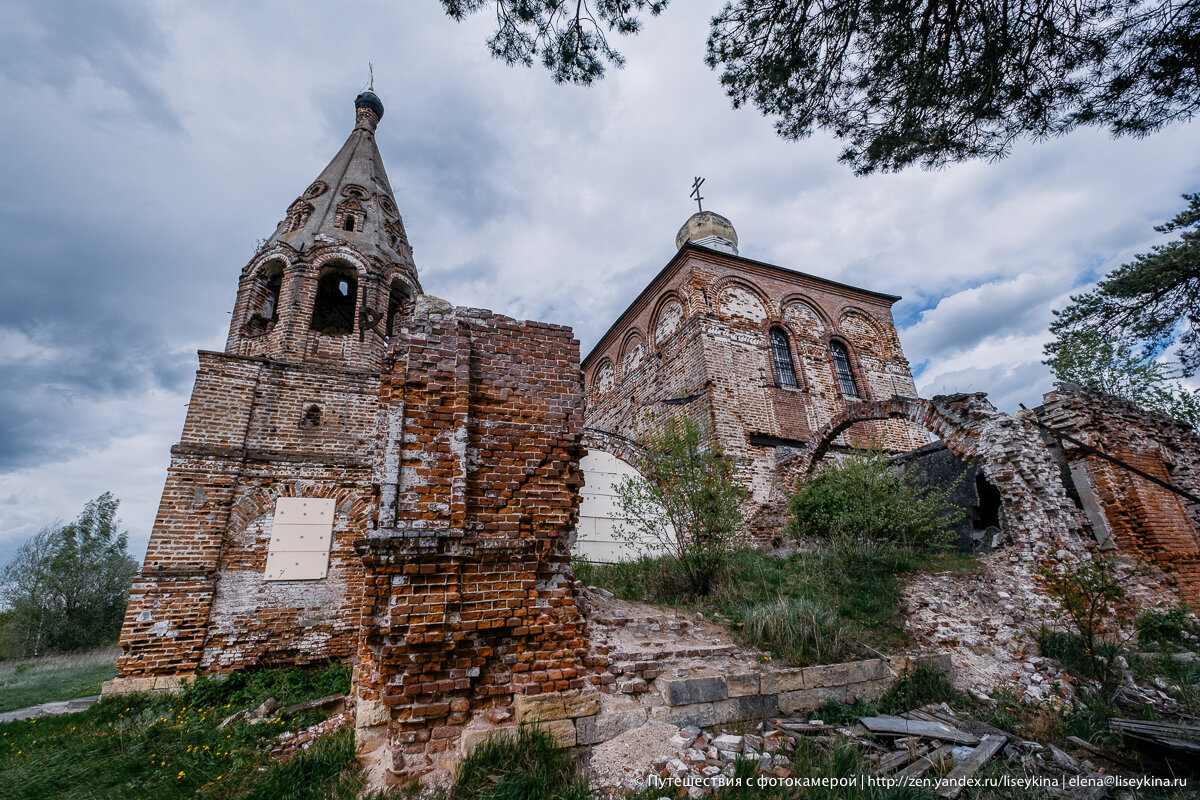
(899, 726)
(890, 761)
(952, 785)
(1102, 752)
(923, 764)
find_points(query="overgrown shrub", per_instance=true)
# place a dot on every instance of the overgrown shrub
(1168, 628)
(799, 630)
(1088, 591)
(862, 500)
(66, 587)
(686, 504)
(528, 767)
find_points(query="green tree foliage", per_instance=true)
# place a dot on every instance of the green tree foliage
(861, 499)
(67, 586)
(686, 504)
(904, 81)
(1150, 303)
(1085, 357)
(570, 39)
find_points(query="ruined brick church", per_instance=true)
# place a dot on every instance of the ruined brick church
(368, 474)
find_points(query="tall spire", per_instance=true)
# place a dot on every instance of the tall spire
(351, 200)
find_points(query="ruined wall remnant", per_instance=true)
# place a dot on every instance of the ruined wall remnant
(468, 605)
(1038, 516)
(1127, 511)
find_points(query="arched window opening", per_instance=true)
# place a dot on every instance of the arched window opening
(312, 417)
(274, 284)
(264, 300)
(841, 365)
(781, 351)
(337, 298)
(398, 300)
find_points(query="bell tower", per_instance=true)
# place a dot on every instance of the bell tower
(329, 283)
(251, 558)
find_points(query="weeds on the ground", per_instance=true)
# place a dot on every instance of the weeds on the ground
(286, 686)
(856, 585)
(799, 630)
(529, 766)
(160, 748)
(920, 687)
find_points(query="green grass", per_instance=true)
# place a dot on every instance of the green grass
(58, 677)
(836, 597)
(920, 687)
(529, 767)
(170, 747)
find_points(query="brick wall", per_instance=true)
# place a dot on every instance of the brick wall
(1158, 526)
(468, 600)
(200, 602)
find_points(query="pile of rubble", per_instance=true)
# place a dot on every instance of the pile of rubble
(984, 620)
(930, 744)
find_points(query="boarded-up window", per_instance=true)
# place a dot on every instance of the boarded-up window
(301, 536)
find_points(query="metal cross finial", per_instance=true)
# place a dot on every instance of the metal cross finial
(696, 192)
(371, 83)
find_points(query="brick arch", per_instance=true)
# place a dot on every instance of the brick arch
(623, 448)
(883, 345)
(718, 289)
(349, 502)
(660, 306)
(632, 339)
(1040, 519)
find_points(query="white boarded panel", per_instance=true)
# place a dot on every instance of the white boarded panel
(297, 566)
(599, 510)
(288, 537)
(301, 537)
(304, 510)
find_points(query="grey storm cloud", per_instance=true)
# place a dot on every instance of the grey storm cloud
(114, 43)
(149, 145)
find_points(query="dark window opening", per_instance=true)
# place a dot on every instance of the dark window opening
(337, 298)
(841, 365)
(312, 417)
(781, 351)
(349, 223)
(264, 301)
(270, 308)
(987, 513)
(397, 302)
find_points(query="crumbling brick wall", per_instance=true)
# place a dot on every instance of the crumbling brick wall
(468, 600)
(1038, 516)
(200, 601)
(1141, 518)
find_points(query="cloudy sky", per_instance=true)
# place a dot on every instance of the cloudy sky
(148, 145)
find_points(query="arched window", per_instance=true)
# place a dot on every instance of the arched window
(781, 351)
(270, 307)
(398, 299)
(264, 299)
(841, 365)
(337, 298)
(312, 417)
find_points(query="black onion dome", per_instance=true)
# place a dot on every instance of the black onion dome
(370, 100)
